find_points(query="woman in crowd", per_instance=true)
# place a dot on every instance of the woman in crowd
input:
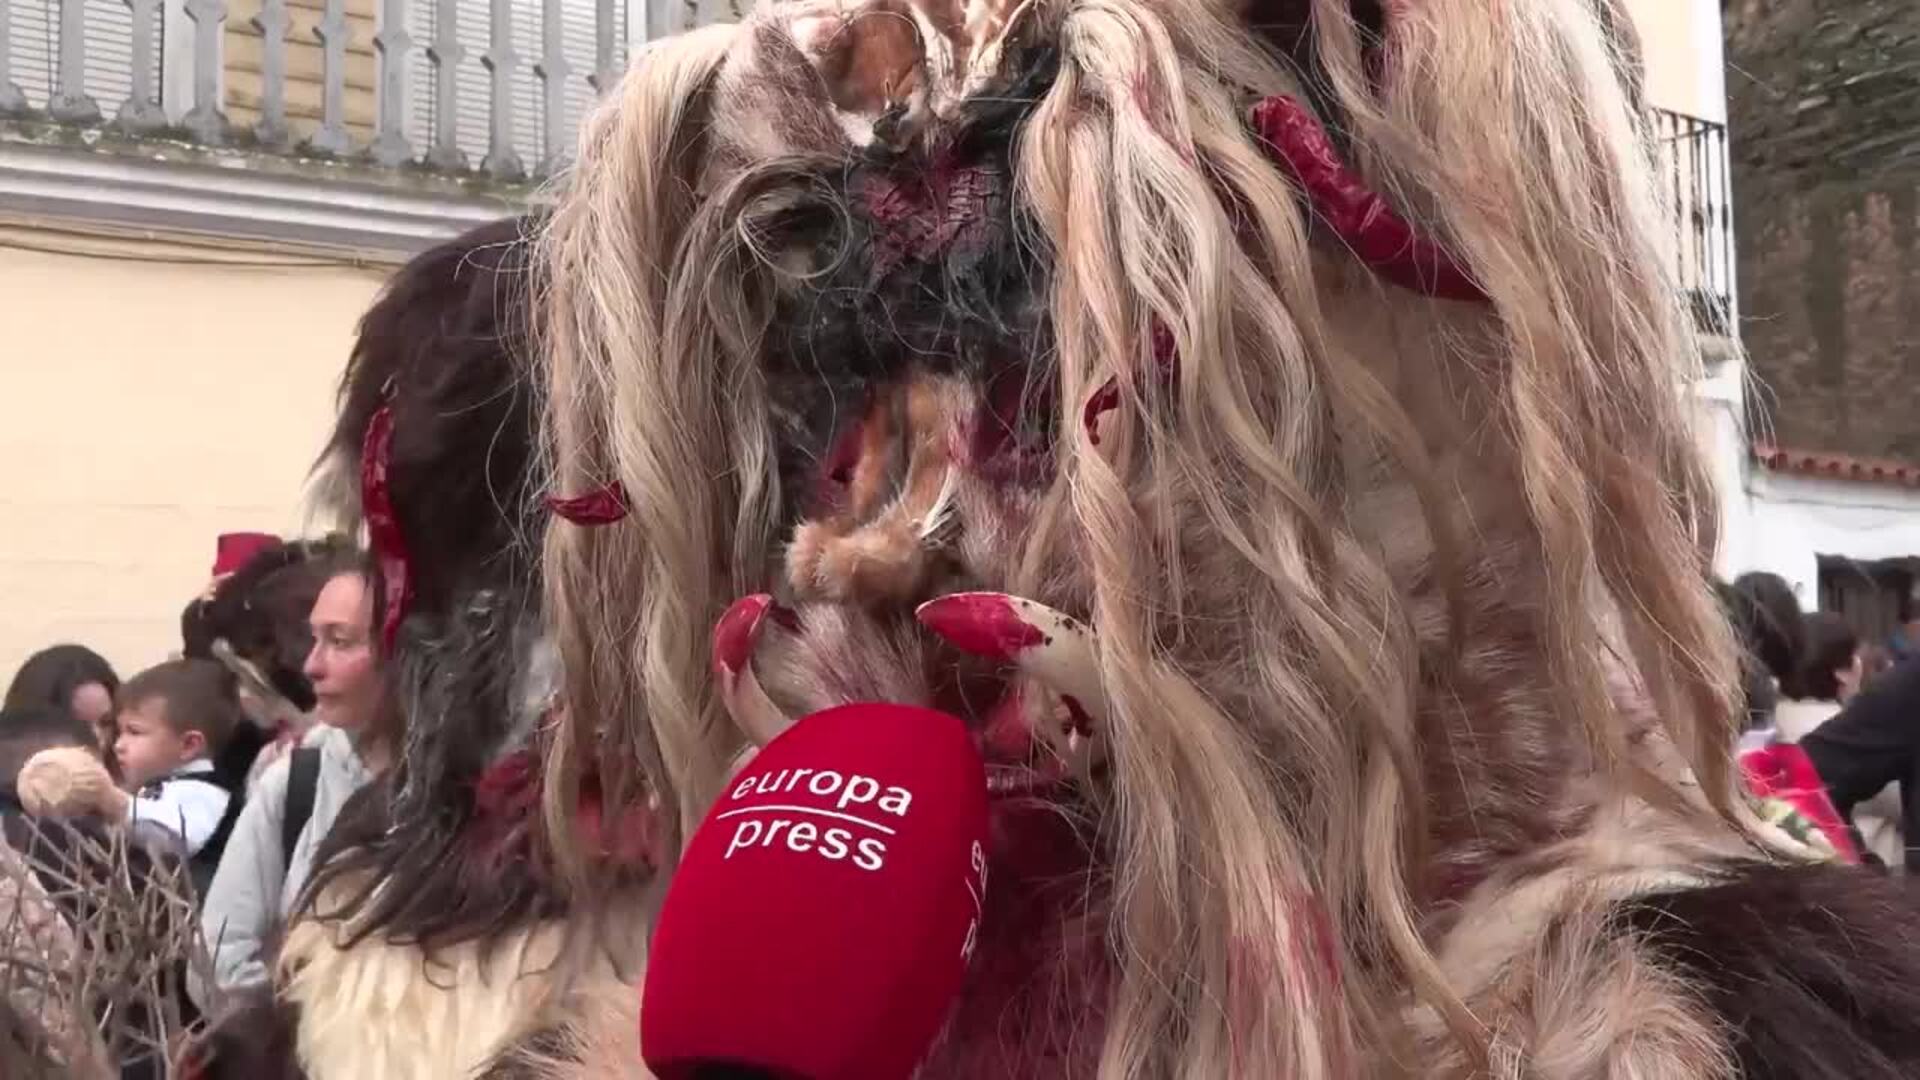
(114, 887)
(254, 620)
(271, 852)
(73, 678)
(1829, 674)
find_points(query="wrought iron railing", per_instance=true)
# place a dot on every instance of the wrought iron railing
(1695, 171)
(488, 87)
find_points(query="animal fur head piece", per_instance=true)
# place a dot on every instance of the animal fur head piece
(999, 362)
(436, 422)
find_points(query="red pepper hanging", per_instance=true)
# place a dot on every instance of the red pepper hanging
(383, 527)
(1382, 239)
(602, 506)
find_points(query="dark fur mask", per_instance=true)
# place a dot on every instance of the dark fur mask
(445, 348)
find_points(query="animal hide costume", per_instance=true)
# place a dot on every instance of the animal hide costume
(1265, 424)
(439, 938)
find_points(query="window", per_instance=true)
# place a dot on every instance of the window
(473, 82)
(108, 74)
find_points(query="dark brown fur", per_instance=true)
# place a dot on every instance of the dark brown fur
(1815, 970)
(252, 1039)
(445, 347)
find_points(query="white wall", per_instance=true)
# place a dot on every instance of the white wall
(1680, 41)
(1719, 405)
(1793, 519)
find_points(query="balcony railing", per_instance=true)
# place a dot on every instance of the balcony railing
(487, 88)
(493, 91)
(1691, 155)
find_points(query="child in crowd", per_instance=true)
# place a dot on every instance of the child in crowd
(173, 721)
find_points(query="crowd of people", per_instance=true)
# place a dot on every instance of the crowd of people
(194, 800)
(1257, 425)
(1833, 722)
(234, 757)
(228, 760)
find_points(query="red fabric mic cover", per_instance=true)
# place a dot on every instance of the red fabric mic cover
(820, 922)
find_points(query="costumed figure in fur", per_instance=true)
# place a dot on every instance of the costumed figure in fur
(1267, 426)
(438, 937)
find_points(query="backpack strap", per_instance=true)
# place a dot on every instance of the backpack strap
(303, 778)
(205, 861)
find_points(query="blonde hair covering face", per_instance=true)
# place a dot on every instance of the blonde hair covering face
(1393, 595)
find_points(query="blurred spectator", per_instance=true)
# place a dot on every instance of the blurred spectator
(1875, 661)
(292, 807)
(1766, 619)
(24, 732)
(73, 678)
(1871, 743)
(1829, 675)
(1904, 642)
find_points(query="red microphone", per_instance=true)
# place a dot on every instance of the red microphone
(820, 922)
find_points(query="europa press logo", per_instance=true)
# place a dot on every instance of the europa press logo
(837, 817)
(819, 811)
(863, 797)
(847, 864)
(977, 893)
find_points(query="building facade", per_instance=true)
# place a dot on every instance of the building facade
(199, 197)
(1825, 101)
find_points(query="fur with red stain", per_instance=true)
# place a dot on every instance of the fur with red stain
(1034, 1004)
(506, 808)
(984, 625)
(871, 547)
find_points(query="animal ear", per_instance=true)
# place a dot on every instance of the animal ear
(867, 56)
(993, 29)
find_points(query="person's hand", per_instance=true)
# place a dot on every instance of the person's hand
(111, 802)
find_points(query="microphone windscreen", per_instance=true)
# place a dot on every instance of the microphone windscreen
(819, 923)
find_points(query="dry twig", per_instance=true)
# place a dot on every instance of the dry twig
(98, 928)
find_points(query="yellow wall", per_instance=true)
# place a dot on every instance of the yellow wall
(145, 407)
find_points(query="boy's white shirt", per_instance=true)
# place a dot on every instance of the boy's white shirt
(189, 808)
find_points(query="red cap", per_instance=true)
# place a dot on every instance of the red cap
(233, 550)
(819, 925)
